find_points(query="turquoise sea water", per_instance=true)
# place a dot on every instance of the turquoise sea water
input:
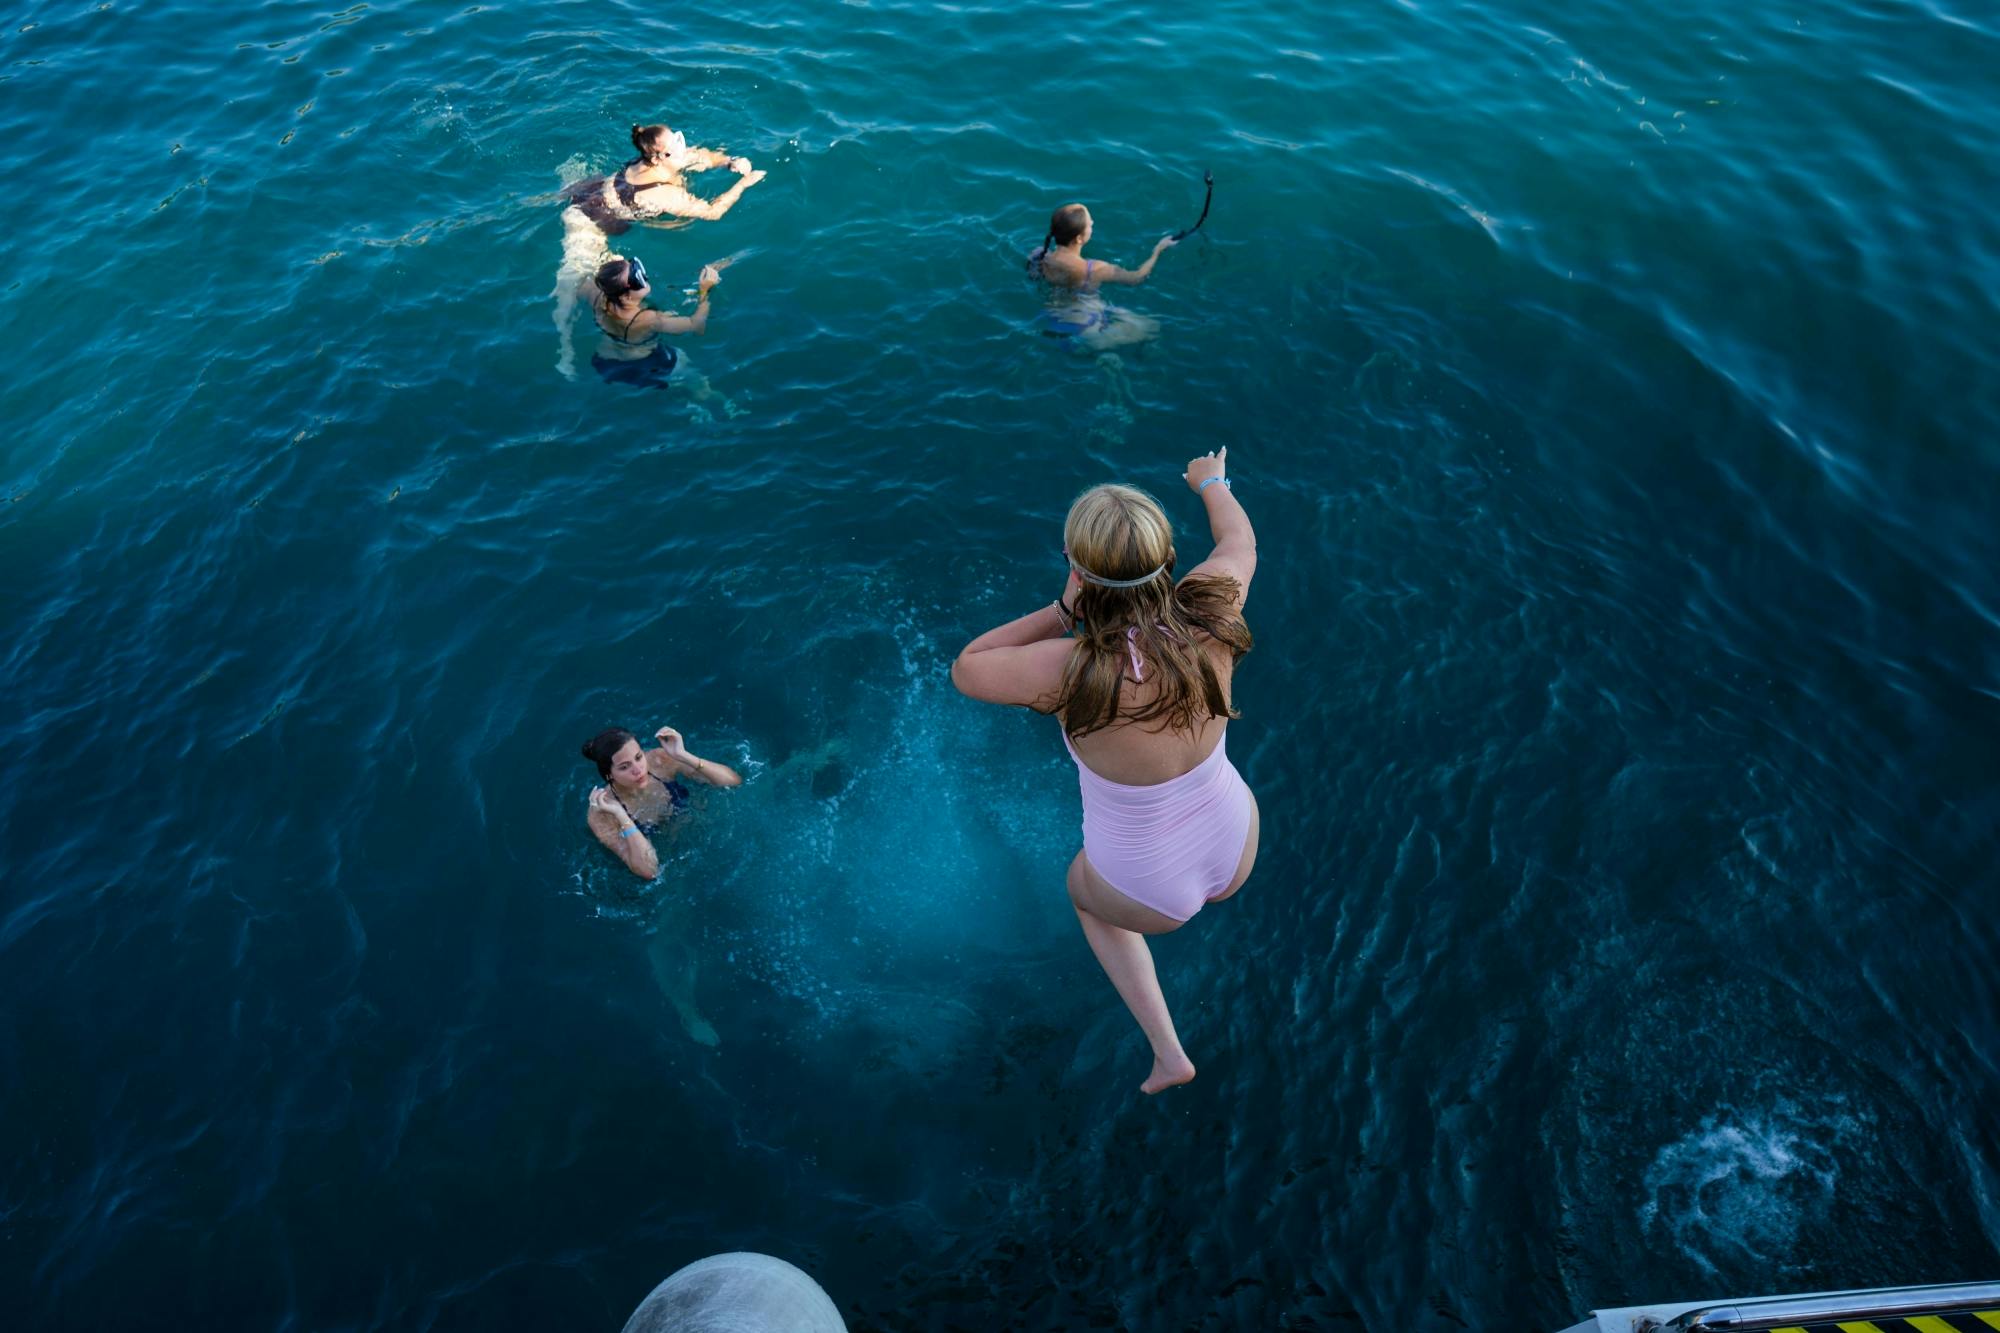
(1614, 392)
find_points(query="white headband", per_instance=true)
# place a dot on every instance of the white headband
(1089, 577)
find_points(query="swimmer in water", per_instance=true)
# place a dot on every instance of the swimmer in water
(631, 351)
(652, 185)
(1142, 690)
(1075, 309)
(643, 790)
(649, 187)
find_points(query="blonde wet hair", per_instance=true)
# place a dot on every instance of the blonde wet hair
(1121, 545)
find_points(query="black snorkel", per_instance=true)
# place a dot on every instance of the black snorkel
(1207, 179)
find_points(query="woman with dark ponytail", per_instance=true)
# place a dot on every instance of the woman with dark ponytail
(1075, 310)
(642, 790)
(653, 184)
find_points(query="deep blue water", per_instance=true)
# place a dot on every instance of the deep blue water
(1614, 390)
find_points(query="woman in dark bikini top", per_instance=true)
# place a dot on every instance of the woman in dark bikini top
(651, 185)
(643, 790)
(631, 351)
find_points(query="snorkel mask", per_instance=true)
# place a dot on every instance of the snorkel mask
(635, 274)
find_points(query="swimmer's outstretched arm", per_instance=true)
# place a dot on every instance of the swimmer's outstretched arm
(1235, 553)
(615, 829)
(1130, 277)
(692, 206)
(697, 322)
(1020, 662)
(688, 764)
(708, 159)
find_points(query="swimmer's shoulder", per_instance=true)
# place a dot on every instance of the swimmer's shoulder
(1063, 270)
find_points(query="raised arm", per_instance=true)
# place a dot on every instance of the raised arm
(1235, 553)
(686, 763)
(615, 829)
(662, 322)
(1020, 662)
(1131, 277)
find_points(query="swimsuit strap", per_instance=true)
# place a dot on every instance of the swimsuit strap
(626, 337)
(664, 786)
(1132, 646)
(1086, 269)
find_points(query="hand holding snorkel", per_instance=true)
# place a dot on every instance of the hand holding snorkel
(1208, 180)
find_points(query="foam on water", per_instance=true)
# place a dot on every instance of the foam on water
(1738, 1190)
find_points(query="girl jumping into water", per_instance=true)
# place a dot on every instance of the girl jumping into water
(1137, 667)
(1075, 310)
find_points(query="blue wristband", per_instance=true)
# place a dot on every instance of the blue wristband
(1211, 481)
(628, 832)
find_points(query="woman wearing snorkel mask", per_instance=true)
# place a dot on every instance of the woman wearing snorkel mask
(1138, 667)
(650, 187)
(631, 351)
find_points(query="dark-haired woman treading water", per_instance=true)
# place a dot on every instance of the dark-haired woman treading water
(631, 351)
(650, 187)
(1075, 309)
(642, 790)
(1143, 695)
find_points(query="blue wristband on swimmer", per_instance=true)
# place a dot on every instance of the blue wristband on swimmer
(628, 832)
(1211, 481)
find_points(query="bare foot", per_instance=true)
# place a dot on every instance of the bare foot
(1168, 1074)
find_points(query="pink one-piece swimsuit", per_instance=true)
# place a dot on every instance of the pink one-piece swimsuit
(1171, 846)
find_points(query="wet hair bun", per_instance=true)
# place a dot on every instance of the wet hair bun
(600, 748)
